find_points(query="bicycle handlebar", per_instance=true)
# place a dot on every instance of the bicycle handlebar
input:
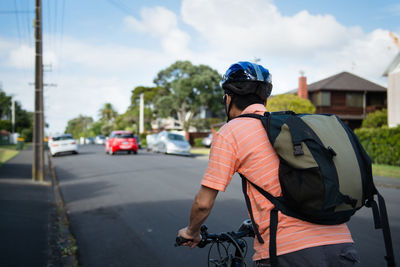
(245, 230)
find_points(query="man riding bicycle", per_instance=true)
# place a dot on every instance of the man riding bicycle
(242, 146)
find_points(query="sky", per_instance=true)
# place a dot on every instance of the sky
(98, 51)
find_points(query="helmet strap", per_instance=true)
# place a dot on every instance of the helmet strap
(228, 110)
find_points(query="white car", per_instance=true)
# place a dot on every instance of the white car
(170, 143)
(62, 144)
(100, 140)
(151, 142)
(207, 140)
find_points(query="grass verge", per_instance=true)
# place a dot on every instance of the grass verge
(6, 154)
(200, 151)
(386, 170)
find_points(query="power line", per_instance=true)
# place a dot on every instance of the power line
(17, 18)
(121, 6)
(11, 12)
(29, 24)
(55, 21)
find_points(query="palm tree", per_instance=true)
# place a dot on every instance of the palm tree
(108, 113)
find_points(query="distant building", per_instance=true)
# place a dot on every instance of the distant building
(170, 123)
(393, 94)
(344, 94)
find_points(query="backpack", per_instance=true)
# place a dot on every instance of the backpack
(324, 172)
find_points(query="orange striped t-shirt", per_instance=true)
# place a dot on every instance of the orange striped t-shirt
(242, 146)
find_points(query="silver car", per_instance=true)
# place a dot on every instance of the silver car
(170, 143)
(151, 140)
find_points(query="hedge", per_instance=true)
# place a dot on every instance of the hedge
(198, 142)
(381, 144)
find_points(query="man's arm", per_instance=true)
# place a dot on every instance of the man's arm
(201, 208)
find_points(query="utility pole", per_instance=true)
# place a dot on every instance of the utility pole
(141, 114)
(38, 130)
(13, 115)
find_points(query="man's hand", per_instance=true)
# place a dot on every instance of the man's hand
(187, 234)
(201, 208)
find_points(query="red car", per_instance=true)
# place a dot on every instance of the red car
(121, 141)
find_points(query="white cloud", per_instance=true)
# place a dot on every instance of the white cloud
(161, 23)
(91, 74)
(258, 26)
(87, 76)
(22, 57)
(83, 94)
(318, 44)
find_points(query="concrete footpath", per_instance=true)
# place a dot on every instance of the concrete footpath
(28, 228)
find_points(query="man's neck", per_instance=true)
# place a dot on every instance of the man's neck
(235, 112)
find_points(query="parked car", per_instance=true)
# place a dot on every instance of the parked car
(100, 140)
(170, 143)
(62, 144)
(138, 141)
(121, 141)
(207, 140)
(151, 141)
(89, 140)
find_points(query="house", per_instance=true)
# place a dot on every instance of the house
(393, 94)
(346, 95)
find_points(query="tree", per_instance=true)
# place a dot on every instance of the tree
(23, 118)
(189, 88)
(106, 129)
(150, 94)
(290, 102)
(95, 128)
(79, 126)
(127, 120)
(375, 119)
(5, 105)
(108, 113)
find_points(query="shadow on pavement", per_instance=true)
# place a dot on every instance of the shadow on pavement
(16, 170)
(116, 235)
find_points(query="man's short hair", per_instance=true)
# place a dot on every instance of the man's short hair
(246, 93)
(243, 101)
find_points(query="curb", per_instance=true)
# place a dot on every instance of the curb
(66, 242)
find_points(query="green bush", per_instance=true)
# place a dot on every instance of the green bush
(376, 119)
(205, 124)
(142, 136)
(143, 142)
(198, 142)
(27, 134)
(5, 125)
(381, 144)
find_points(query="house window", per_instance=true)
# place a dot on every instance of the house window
(323, 99)
(355, 100)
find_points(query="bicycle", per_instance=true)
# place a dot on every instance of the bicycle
(225, 259)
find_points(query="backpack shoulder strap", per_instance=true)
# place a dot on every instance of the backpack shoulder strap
(386, 232)
(273, 218)
(250, 115)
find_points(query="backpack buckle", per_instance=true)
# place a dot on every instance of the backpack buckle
(297, 149)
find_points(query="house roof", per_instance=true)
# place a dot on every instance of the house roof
(393, 65)
(344, 81)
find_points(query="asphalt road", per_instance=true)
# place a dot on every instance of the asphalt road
(125, 209)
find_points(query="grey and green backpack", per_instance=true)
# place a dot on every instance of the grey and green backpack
(324, 172)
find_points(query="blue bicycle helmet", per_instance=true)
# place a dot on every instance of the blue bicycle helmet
(244, 78)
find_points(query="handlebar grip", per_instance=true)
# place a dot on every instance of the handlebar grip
(180, 240)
